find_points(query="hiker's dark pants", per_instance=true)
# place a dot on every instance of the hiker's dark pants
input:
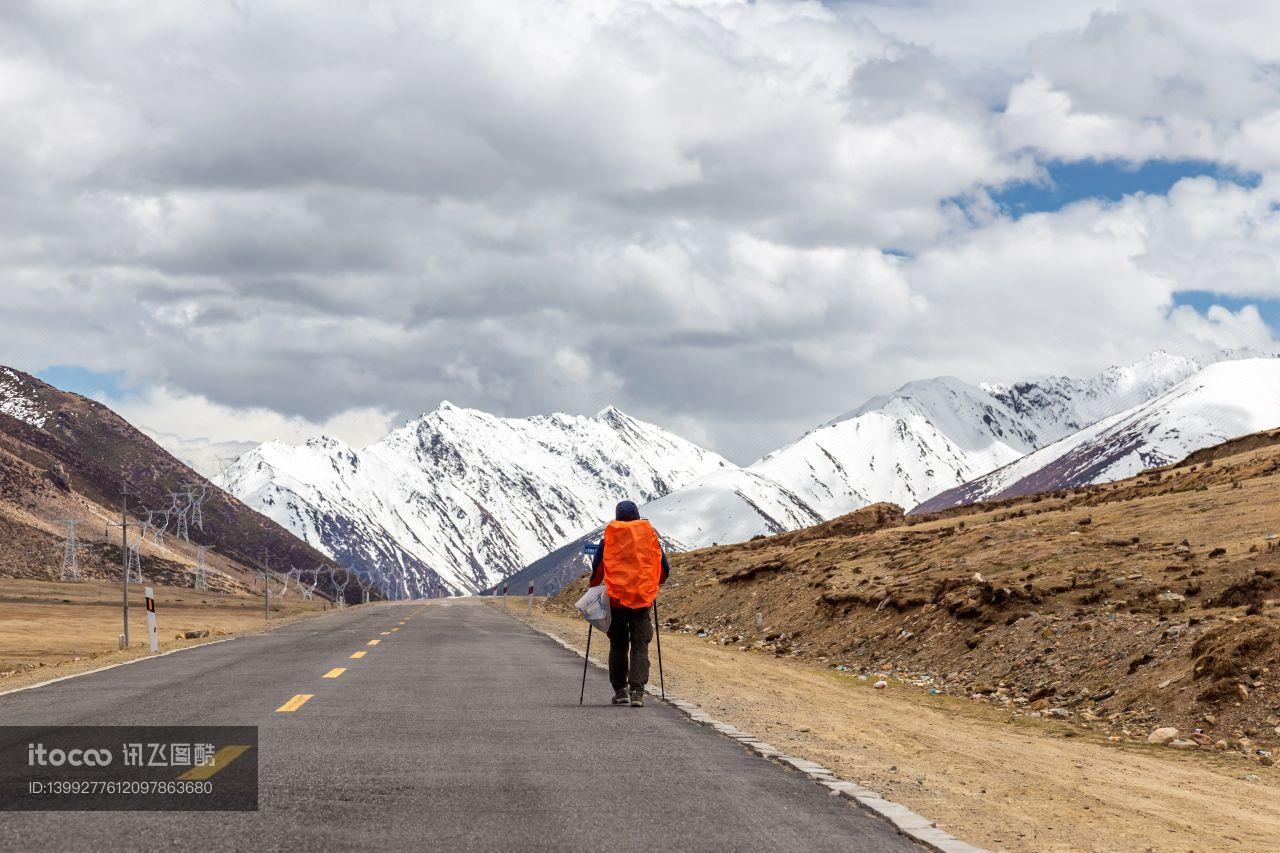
(629, 631)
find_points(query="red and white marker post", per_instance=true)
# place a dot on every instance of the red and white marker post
(151, 619)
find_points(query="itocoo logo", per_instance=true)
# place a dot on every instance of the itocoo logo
(39, 756)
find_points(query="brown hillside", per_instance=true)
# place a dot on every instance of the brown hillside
(1127, 606)
(73, 466)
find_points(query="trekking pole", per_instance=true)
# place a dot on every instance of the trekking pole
(657, 632)
(585, 660)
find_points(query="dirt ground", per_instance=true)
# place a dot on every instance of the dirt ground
(1125, 608)
(50, 629)
(1003, 782)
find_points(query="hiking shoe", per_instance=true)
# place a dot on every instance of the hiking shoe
(620, 697)
(637, 698)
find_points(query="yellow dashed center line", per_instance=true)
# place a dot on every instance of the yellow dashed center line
(373, 642)
(294, 704)
(221, 759)
(358, 655)
(393, 630)
(385, 633)
(335, 672)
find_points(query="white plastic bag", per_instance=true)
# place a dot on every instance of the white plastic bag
(594, 607)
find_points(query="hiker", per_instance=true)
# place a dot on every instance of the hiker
(632, 565)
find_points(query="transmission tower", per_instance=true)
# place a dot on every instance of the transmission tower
(134, 562)
(195, 504)
(158, 520)
(70, 561)
(201, 579)
(154, 524)
(309, 591)
(178, 508)
(341, 589)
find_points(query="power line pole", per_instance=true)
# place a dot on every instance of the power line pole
(124, 553)
(266, 596)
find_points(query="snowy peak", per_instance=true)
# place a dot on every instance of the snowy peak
(928, 437)
(458, 498)
(641, 460)
(1224, 400)
(1059, 405)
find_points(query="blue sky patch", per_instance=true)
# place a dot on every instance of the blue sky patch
(87, 383)
(1201, 300)
(1110, 180)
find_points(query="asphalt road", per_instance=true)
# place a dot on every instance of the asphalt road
(459, 730)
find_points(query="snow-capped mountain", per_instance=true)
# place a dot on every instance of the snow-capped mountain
(1222, 401)
(924, 437)
(458, 499)
(728, 506)
(1058, 406)
(927, 437)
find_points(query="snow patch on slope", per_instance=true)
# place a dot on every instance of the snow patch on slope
(728, 506)
(16, 400)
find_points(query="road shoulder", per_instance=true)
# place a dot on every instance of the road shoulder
(990, 780)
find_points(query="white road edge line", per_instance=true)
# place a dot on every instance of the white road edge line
(253, 633)
(114, 665)
(907, 822)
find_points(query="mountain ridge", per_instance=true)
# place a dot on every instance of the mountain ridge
(456, 499)
(894, 448)
(63, 455)
(1213, 405)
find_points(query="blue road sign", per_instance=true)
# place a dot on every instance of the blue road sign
(591, 548)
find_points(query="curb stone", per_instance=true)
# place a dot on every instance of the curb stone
(907, 822)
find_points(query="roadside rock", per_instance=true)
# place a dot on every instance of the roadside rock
(1163, 735)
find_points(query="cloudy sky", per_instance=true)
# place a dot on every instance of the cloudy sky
(241, 220)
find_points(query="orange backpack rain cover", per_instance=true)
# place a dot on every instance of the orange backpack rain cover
(632, 563)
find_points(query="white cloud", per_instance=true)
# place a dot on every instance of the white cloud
(1216, 237)
(290, 223)
(208, 435)
(1095, 283)
(1168, 79)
